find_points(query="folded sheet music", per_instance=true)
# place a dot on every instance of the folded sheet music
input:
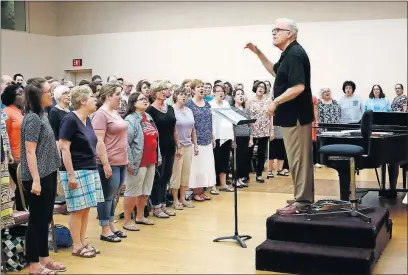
(382, 134)
(335, 134)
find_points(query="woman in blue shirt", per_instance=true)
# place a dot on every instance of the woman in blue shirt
(377, 101)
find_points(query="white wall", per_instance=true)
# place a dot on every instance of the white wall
(367, 52)
(97, 17)
(29, 54)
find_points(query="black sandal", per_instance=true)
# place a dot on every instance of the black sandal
(120, 234)
(111, 238)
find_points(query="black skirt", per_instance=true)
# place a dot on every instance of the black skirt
(277, 149)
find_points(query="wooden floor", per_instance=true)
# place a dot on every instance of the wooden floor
(184, 244)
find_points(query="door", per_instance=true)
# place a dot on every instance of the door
(77, 75)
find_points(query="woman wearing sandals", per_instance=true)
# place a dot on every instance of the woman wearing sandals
(277, 151)
(40, 161)
(261, 128)
(243, 141)
(223, 133)
(202, 173)
(187, 138)
(143, 155)
(111, 157)
(79, 174)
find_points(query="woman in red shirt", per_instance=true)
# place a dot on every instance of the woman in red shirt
(143, 155)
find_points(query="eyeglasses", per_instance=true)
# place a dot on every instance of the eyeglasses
(276, 30)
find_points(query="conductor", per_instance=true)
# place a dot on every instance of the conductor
(293, 110)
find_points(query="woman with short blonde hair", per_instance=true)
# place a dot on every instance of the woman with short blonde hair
(165, 120)
(79, 174)
(202, 172)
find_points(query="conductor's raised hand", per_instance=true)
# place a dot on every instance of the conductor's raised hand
(252, 47)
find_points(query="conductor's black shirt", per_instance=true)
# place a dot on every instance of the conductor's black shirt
(293, 68)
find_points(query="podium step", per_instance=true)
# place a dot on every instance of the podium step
(344, 231)
(301, 258)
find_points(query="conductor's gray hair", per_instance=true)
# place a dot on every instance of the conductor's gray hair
(291, 25)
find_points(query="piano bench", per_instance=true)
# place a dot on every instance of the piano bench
(351, 154)
(342, 150)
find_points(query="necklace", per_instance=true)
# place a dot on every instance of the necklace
(162, 108)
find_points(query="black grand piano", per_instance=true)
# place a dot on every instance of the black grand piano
(388, 151)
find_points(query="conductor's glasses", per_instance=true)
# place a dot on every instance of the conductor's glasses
(276, 30)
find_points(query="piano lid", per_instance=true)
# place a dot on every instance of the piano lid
(382, 121)
(390, 119)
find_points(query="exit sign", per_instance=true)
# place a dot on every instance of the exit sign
(77, 62)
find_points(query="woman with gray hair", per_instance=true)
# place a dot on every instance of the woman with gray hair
(62, 96)
(54, 84)
(188, 145)
(79, 174)
(328, 109)
(165, 120)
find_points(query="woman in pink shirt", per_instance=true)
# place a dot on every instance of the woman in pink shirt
(111, 157)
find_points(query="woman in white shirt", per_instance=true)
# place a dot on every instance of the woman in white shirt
(224, 135)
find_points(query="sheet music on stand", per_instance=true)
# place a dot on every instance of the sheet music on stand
(236, 119)
(233, 116)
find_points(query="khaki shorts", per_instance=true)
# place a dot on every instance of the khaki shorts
(181, 168)
(141, 183)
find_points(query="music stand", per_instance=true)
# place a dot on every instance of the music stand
(235, 119)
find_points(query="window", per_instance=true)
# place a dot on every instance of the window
(13, 15)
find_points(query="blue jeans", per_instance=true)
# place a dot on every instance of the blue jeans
(110, 187)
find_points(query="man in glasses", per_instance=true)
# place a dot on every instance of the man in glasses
(292, 109)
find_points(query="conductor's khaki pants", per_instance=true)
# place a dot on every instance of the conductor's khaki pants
(298, 145)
